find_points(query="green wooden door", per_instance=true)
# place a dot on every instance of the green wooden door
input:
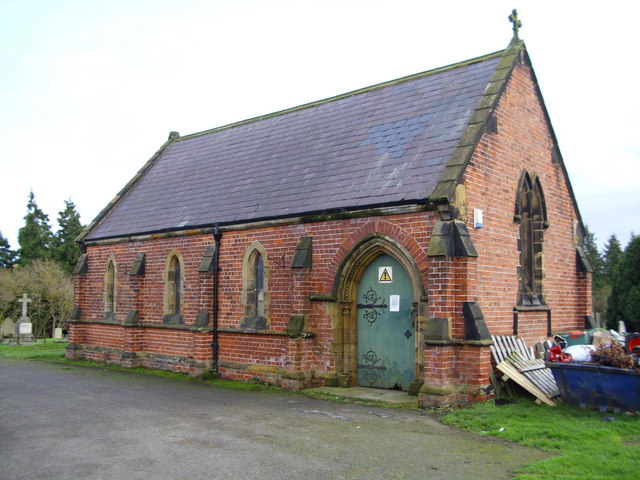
(386, 332)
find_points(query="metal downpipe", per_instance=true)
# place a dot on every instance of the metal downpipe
(215, 346)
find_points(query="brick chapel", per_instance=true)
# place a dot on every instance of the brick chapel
(376, 238)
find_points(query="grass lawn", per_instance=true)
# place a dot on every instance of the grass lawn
(39, 351)
(590, 445)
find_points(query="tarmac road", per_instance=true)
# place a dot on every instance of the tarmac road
(60, 422)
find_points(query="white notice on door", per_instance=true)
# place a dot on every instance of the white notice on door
(394, 303)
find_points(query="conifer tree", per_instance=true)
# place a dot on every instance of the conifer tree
(66, 251)
(624, 302)
(35, 236)
(7, 256)
(600, 287)
(612, 255)
(595, 259)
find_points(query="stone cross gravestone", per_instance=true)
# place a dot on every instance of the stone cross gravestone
(25, 328)
(25, 301)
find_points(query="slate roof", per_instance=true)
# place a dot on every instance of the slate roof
(389, 144)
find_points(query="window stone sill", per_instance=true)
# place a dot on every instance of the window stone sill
(525, 308)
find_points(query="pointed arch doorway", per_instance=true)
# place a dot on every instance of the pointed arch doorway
(382, 303)
(386, 330)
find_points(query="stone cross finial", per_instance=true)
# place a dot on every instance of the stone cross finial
(24, 301)
(513, 18)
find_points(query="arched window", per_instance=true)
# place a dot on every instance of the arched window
(255, 294)
(173, 292)
(110, 291)
(259, 286)
(531, 212)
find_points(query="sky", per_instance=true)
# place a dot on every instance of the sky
(90, 89)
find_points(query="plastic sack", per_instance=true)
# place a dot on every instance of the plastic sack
(580, 353)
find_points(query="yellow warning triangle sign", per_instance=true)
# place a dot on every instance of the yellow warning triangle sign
(385, 277)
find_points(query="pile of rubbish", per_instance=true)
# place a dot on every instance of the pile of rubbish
(597, 369)
(598, 346)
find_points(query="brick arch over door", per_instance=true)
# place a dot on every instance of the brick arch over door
(382, 229)
(345, 290)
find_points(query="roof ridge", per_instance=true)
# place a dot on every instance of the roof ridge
(351, 93)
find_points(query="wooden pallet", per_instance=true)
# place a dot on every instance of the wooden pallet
(518, 363)
(505, 345)
(537, 372)
(510, 372)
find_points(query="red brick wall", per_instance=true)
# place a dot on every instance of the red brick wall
(289, 290)
(523, 142)
(145, 293)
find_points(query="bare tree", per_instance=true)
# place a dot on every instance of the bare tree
(50, 289)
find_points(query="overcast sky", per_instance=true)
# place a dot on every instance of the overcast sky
(89, 89)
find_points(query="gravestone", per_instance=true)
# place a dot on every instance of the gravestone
(7, 330)
(57, 334)
(25, 328)
(25, 332)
